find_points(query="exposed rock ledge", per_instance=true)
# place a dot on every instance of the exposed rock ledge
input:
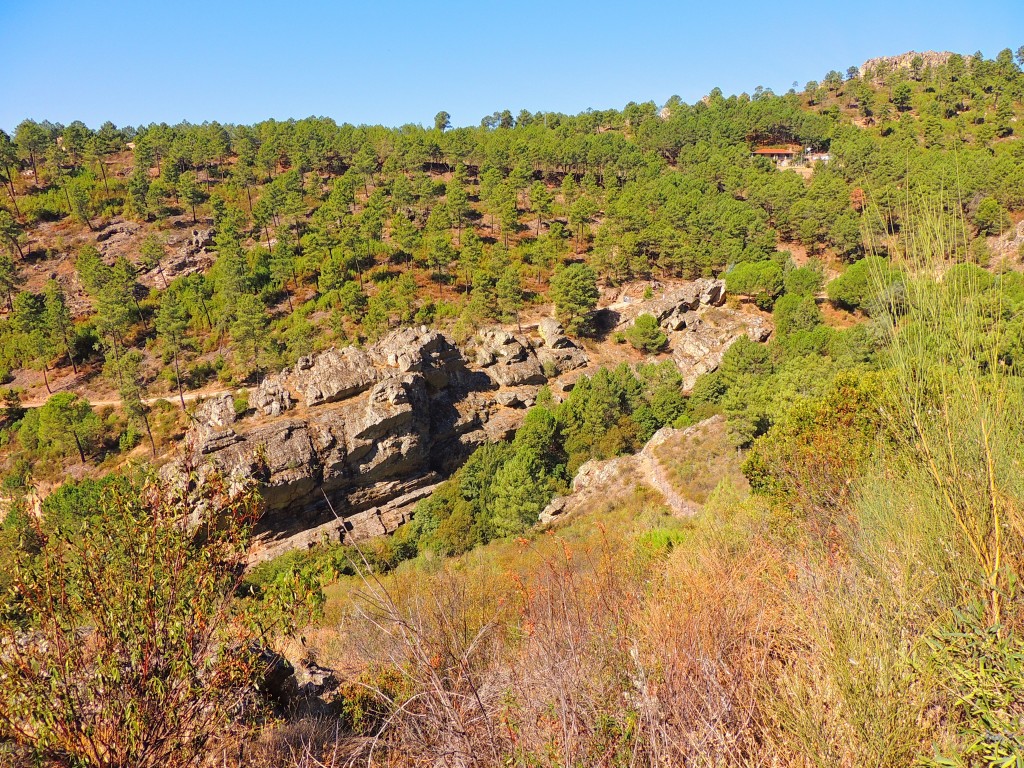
(347, 442)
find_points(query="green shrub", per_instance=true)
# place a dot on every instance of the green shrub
(805, 281)
(762, 280)
(646, 335)
(863, 284)
(795, 312)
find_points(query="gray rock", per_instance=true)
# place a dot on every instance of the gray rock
(562, 360)
(553, 334)
(509, 399)
(333, 375)
(214, 420)
(271, 397)
(515, 362)
(709, 333)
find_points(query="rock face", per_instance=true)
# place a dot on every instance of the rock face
(344, 445)
(700, 345)
(699, 328)
(904, 60)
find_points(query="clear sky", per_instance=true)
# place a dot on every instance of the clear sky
(396, 62)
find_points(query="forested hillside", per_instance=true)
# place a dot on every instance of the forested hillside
(813, 561)
(175, 258)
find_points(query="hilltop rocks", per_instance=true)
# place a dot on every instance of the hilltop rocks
(904, 60)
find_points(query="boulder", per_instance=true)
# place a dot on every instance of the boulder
(562, 359)
(271, 397)
(416, 350)
(553, 334)
(514, 362)
(509, 399)
(333, 375)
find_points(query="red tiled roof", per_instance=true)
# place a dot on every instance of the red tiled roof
(774, 151)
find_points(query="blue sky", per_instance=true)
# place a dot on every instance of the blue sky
(400, 62)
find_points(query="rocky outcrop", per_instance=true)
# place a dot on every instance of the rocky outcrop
(699, 328)
(558, 354)
(905, 61)
(700, 345)
(333, 375)
(345, 443)
(271, 397)
(508, 360)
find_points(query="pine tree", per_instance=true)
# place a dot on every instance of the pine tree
(58, 319)
(171, 330)
(249, 330)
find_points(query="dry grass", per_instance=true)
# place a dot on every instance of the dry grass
(633, 640)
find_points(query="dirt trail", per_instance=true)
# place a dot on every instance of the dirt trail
(652, 473)
(170, 397)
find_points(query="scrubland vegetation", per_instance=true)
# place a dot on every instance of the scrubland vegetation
(847, 594)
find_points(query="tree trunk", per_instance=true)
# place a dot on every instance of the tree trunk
(78, 445)
(14, 199)
(35, 175)
(256, 360)
(138, 309)
(149, 432)
(194, 221)
(103, 172)
(206, 311)
(46, 380)
(177, 379)
(67, 347)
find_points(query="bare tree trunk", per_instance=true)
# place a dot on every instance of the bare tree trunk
(177, 379)
(149, 432)
(14, 199)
